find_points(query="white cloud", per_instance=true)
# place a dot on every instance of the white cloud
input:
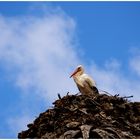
(42, 52)
(135, 64)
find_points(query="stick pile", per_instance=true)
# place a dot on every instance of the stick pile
(82, 116)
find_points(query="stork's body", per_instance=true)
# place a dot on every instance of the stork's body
(84, 83)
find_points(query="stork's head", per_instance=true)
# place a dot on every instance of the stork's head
(79, 71)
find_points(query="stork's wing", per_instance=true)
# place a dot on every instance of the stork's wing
(91, 84)
(89, 80)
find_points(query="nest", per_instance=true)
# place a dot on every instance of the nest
(87, 116)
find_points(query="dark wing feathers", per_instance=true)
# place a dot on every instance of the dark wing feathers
(95, 90)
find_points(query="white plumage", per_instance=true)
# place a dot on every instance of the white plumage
(84, 82)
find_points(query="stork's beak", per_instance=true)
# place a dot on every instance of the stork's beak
(74, 73)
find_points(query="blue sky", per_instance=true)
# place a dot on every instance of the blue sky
(42, 42)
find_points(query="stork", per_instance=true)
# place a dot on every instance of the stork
(84, 82)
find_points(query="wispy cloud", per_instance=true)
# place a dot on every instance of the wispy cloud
(42, 52)
(134, 62)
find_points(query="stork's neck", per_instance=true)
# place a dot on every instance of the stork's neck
(77, 80)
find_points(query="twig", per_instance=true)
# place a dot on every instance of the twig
(128, 96)
(105, 92)
(116, 95)
(59, 96)
(67, 93)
